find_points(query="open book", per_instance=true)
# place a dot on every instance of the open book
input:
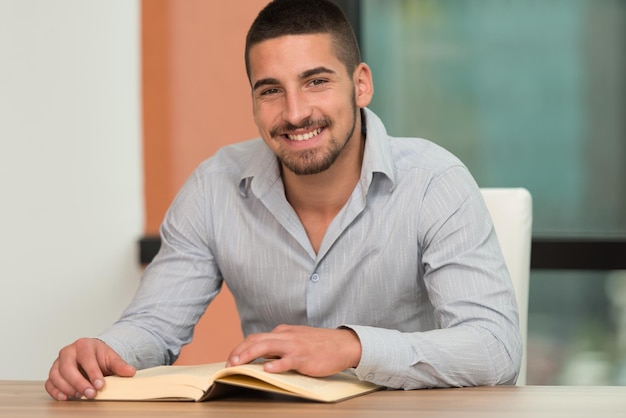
(204, 382)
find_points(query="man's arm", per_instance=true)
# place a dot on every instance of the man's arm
(174, 292)
(478, 341)
(175, 288)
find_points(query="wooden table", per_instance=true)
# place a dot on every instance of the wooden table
(29, 399)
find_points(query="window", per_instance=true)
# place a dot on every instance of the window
(531, 94)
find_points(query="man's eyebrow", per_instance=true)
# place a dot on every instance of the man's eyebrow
(316, 71)
(264, 82)
(270, 81)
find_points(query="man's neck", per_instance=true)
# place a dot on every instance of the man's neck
(318, 198)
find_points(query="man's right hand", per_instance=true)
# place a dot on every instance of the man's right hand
(80, 369)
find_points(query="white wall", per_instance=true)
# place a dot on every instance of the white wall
(71, 198)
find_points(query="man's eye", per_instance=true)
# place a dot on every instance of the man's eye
(269, 92)
(318, 82)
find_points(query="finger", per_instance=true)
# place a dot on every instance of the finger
(75, 383)
(281, 365)
(91, 361)
(119, 367)
(55, 392)
(58, 386)
(235, 357)
(105, 362)
(262, 346)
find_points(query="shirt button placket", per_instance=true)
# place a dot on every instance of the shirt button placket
(315, 300)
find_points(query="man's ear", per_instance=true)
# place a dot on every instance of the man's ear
(364, 85)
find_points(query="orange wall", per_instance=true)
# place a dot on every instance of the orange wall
(196, 98)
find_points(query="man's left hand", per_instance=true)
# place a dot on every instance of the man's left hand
(307, 350)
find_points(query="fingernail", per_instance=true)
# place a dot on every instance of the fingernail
(236, 360)
(98, 384)
(90, 393)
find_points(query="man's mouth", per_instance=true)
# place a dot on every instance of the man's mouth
(305, 136)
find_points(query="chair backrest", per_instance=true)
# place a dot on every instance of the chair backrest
(512, 215)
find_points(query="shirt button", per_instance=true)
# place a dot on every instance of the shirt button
(315, 278)
(370, 377)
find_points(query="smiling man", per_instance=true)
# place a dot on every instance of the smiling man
(306, 107)
(343, 247)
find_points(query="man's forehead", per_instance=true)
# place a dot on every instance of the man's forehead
(293, 56)
(285, 43)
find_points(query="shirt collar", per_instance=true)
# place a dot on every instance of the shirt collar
(377, 157)
(262, 167)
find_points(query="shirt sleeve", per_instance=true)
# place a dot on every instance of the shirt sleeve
(175, 288)
(478, 341)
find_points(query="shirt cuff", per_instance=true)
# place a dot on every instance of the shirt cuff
(386, 356)
(117, 346)
(145, 353)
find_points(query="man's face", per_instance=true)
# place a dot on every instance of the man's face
(304, 101)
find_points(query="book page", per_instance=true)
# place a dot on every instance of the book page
(192, 382)
(161, 382)
(327, 389)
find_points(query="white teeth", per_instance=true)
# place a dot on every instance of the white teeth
(305, 137)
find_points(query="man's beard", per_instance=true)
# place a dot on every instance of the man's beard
(315, 161)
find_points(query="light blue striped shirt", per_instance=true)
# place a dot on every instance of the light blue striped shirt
(411, 264)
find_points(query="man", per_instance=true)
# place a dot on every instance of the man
(342, 246)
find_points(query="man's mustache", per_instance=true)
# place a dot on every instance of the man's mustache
(308, 123)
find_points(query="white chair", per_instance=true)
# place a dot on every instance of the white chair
(511, 212)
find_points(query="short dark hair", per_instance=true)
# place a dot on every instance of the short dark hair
(305, 17)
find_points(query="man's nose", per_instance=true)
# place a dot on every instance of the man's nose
(297, 108)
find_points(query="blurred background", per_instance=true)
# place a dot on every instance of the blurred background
(532, 94)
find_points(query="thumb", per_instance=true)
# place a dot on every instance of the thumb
(120, 368)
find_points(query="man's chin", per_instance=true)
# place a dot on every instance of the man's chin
(307, 168)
